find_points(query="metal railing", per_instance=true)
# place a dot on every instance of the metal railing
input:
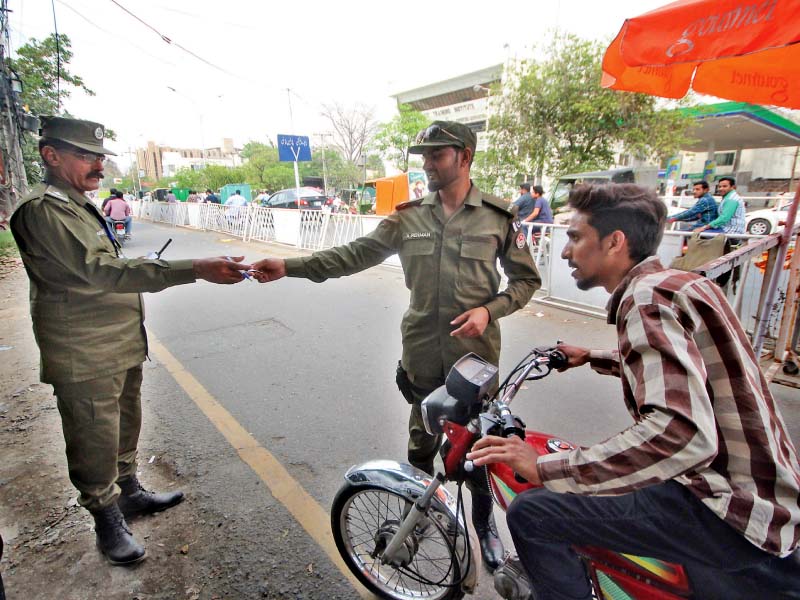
(317, 230)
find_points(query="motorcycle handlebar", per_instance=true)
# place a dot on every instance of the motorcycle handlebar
(557, 359)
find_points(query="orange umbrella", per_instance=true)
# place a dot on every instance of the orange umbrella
(745, 50)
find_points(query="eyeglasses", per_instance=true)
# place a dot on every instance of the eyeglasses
(434, 131)
(90, 157)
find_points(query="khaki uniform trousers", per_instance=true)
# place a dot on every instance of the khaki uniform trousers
(101, 419)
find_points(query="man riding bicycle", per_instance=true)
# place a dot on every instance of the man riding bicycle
(707, 476)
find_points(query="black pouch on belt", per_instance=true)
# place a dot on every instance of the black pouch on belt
(404, 383)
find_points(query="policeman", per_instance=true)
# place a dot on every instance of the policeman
(88, 321)
(449, 242)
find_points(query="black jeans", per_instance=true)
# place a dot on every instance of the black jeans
(664, 521)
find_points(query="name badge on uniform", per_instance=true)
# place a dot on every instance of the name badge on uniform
(417, 235)
(101, 233)
(516, 224)
(521, 240)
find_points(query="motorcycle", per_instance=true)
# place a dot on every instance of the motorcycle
(404, 535)
(118, 229)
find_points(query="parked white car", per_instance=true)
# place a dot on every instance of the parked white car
(768, 220)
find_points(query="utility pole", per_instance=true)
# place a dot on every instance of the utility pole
(13, 121)
(324, 168)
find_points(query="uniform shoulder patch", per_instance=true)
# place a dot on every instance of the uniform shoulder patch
(497, 204)
(56, 193)
(408, 204)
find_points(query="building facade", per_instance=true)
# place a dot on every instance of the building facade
(464, 99)
(165, 161)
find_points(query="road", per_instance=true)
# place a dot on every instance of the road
(309, 368)
(259, 397)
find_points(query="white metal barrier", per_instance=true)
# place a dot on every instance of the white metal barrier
(317, 230)
(743, 287)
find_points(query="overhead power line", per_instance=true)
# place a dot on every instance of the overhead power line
(169, 41)
(115, 35)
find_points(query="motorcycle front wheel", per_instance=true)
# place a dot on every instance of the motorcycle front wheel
(363, 519)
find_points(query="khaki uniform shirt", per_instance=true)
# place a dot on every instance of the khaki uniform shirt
(450, 266)
(88, 315)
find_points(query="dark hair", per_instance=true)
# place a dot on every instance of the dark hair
(119, 194)
(112, 192)
(525, 186)
(237, 191)
(539, 190)
(208, 191)
(703, 184)
(632, 209)
(728, 178)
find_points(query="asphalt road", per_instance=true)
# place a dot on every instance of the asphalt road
(308, 370)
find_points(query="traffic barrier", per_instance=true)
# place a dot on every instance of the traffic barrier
(317, 230)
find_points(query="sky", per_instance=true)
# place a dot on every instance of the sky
(249, 70)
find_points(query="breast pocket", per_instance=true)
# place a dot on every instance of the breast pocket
(416, 256)
(478, 277)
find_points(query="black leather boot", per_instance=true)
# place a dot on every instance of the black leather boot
(135, 500)
(114, 539)
(483, 520)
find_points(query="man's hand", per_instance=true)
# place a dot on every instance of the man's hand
(473, 323)
(511, 451)
(700, 229)
(221, 269)
(269, 269)
(576, 356)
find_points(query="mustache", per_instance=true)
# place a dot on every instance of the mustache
(96, 174)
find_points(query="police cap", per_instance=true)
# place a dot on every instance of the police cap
(86, 135)
(444, 133)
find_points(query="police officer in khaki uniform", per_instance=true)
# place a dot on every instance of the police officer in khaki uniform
(449, 242)
(88, 320)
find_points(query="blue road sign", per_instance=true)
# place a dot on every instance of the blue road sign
(293, 148)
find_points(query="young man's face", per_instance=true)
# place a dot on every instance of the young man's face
(441, 166)
(724, 186)
(698, 191)
(585, 252)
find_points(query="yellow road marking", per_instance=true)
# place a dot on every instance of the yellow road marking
(284, 488)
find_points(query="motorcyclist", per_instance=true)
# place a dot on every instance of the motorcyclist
(707, 476)
(119, 210)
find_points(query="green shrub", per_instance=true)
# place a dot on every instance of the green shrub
(7, 243)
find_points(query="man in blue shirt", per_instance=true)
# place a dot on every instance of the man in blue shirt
(525, 202)
(703, 212)
(541, 212)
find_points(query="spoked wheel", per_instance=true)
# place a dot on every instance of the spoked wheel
(364, 519)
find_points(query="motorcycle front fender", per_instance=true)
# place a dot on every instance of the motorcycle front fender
(410, 482)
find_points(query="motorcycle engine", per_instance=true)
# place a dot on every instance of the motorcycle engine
(510, 580)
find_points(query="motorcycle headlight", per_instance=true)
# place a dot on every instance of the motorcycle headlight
(440, 406)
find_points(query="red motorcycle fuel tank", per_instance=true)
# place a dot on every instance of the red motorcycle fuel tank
(619, 576)
(501, 477)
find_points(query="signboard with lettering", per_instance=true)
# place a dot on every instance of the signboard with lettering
(470, 111)
(293, 148)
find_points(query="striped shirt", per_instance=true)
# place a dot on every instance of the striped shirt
(703, 412)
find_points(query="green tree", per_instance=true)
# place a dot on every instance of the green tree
(394, 138)
(209, 177)
(263, 170)
(553, 117)
(36, 65)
